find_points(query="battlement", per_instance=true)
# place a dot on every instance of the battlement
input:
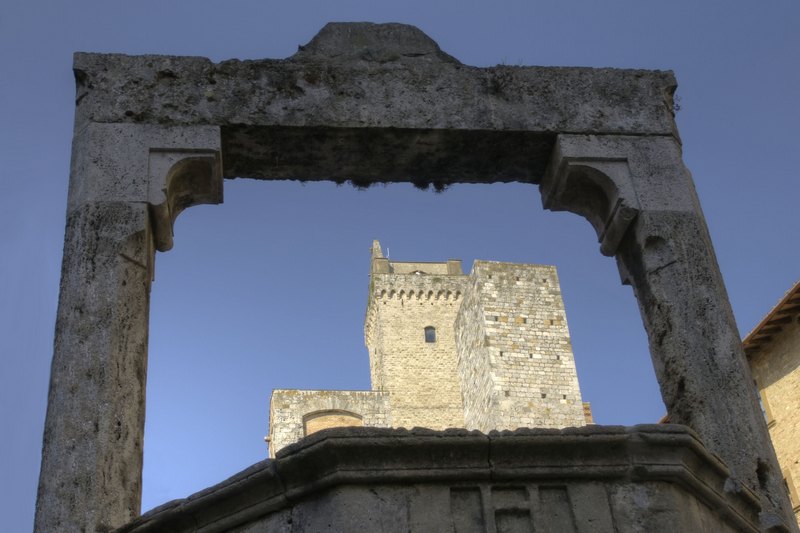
(383, 265)
(500, 331)
(422, 282)
(488, 350)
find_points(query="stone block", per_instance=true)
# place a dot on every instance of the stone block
(646, 478)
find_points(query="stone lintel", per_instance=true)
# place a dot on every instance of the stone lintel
(633, 459)
(371, 102)
(338, 90)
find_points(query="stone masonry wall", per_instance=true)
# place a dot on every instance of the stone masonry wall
(421, 377)
(475, 368)
(776, 369)
(522, 372)
(289, 408)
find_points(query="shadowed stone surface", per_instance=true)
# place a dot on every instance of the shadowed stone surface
(351, 75)
(93, 440)
(422, 107)
(594, 479)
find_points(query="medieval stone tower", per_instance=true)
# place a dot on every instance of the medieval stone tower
(514, 354)
(410, 337)
(488, 350)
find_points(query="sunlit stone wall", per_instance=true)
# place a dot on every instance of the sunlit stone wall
(515, 358)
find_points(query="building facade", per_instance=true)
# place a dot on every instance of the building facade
(773, 351)
(488, 350)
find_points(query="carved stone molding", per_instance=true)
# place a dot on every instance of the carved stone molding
(582, 480)
(179, 179)
(587, 181)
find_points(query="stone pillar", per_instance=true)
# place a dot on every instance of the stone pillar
(640, 198)
(127, 185)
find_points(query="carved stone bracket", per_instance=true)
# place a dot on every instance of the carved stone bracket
(169, 168)
(179, 179)
(597, 187)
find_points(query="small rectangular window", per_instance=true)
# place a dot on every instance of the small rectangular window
(430, 334)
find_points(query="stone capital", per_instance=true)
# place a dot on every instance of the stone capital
(611, 179)
(168, 168)
(594, 183)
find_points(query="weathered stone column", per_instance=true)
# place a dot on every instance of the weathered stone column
(640, 198)
(127, 185)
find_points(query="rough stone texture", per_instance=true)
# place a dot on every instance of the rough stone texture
(92, 451)
(607, 138)
(776, 369)
(590, 480)
(369, 82)
(370, 113)
(289, 411)
(638, 195)
(421, 377)
(169, 168)
(128, 183)
(514, 353)
(114, 162)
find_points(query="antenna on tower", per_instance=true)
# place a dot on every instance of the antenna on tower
(388, 254)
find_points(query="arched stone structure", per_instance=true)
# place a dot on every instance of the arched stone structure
(290, 412)
(155, 134)
(319, 420)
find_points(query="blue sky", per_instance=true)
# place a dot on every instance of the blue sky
(269, 289)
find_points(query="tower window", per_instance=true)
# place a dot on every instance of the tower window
(430, 334)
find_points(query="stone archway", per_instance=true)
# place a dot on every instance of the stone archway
(368, 103)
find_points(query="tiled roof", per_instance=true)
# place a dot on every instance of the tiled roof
(783, 313)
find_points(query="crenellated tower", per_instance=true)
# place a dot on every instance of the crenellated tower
(409, 334)
(488, 350)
